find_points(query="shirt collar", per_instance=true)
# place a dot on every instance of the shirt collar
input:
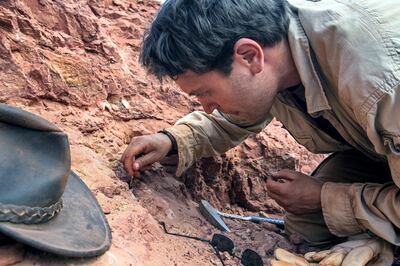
(306, 65)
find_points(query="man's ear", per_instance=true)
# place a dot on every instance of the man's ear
(249, 53)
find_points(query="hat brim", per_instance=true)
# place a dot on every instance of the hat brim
(79, 230)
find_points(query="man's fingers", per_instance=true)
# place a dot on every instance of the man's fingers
(276, 192)
(123, 156)
(281, 201)
(275, 196)
(128, 165)
(136, 174)
(275, 186)
(145, 160)
(285, 174)
(129, 156)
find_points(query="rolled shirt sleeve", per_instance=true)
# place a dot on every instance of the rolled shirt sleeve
(199, 135)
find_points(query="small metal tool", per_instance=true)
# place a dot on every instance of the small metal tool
(214, 217)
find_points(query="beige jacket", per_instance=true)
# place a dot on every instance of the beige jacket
(348, 56)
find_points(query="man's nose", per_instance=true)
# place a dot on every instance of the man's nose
(209, 107)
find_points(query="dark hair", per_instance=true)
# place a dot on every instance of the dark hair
(199, 35)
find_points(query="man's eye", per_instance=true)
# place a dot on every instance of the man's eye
(203, 94)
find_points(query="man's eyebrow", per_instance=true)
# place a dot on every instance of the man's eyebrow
(196, 92)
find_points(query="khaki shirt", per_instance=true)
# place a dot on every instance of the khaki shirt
(348, 57)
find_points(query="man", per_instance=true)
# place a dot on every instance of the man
(329, 70)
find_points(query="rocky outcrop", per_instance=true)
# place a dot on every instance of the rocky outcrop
(75, 63)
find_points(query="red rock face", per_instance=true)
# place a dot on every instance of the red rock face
(75, 63)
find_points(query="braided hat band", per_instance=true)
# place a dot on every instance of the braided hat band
(29, 215)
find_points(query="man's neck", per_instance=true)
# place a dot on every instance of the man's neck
(290, 76)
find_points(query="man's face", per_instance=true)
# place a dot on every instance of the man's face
(241, 94)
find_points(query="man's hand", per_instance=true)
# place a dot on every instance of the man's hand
(295, 192)
(144, 151)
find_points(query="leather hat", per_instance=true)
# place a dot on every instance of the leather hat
(42, 203)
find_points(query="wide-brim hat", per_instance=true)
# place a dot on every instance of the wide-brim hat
(42, 202)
